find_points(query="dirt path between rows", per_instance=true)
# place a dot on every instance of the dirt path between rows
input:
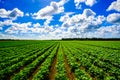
(53, 69)
(18, 70)
(82, 68)
(70, 74)
(37, 68)
(21, 68)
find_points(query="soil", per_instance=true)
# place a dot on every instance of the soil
(53, 69)
(70, 74)
(37, 69)
(21, 68)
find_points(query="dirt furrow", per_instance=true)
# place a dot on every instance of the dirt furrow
(70, 74)
(21, 68)
(37, 69)
(53, 69)
(82, 68)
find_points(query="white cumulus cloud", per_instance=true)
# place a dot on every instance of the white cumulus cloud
(13, 14)
(114, 18)
(88, 12)
(5, 23)
(48, 11)
(6, 36)
(80, 24)
(36, 25)
(18, 27)
(115, 5)
(109, 31)
(87, 2)
(27, 14)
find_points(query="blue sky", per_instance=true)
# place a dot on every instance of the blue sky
(56, 19)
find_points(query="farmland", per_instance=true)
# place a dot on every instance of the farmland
(59, 60)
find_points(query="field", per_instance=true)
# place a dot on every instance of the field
(59, 60)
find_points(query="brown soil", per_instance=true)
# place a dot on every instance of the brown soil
(37, 69)
(9, 78)
(53, 69)
(93, 78)
(70, 74)
(83, 68)
(21, 68)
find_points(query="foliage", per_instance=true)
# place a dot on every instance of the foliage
(87, 60)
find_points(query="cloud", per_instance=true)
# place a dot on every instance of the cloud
(48, 11)
(88, 12)
(86, 20)
(73, 25)
(69, 13)
(47, 22)
(15, 28)
(27, 14)
(38, 30)
(90, 2)
(114, 6)
(87, 2)
(114, 18)
(6, 36)
(13, 14)
(109, 31)
(25, 28)
(5, 23)
(4, 13)
(64, 18)
(81, 25)
(36, 25)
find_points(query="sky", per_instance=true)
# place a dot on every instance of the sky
(57, 19)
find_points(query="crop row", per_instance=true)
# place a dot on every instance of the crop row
(80, 74)
(26, 72)
(91, 64)
(10, 70)
(15, 52)
(44, 69)
(71, 61)
(18, 59)
(61, 71)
